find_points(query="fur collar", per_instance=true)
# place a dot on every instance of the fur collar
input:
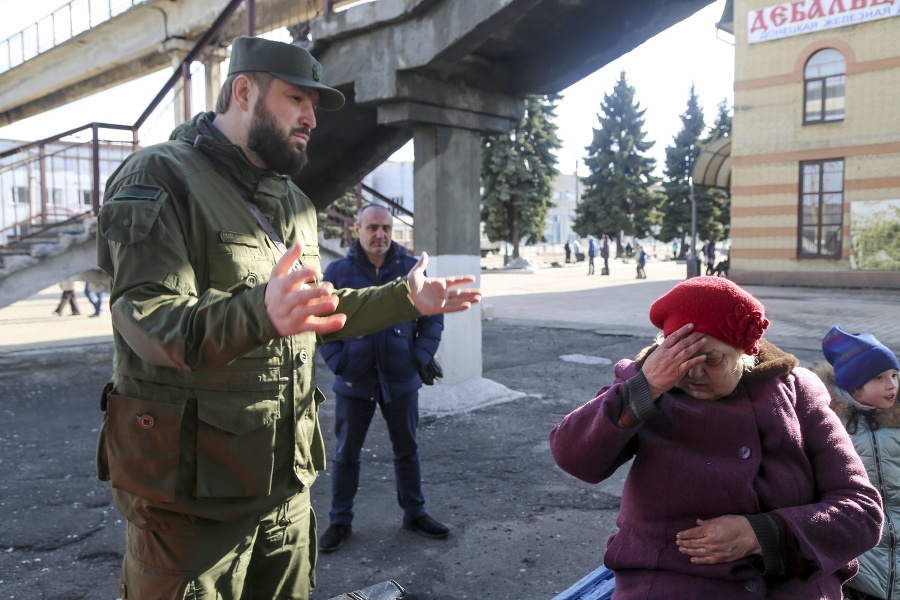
(845, 410)
(771, 362)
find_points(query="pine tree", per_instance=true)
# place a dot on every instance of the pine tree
(517, 172)
(714, 204)
(617, 198)
(721, 126)
(718, 199)
(680, 160)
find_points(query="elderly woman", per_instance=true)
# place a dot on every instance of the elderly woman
(744, 484)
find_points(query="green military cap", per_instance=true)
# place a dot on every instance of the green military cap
(289, 62)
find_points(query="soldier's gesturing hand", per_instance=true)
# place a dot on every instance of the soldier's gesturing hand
(434, 295)
(296, 303)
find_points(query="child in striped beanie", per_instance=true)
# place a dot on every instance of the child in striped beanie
(864, 368)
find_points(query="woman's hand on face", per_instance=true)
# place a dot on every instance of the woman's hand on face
(719, 540)
(666, 365)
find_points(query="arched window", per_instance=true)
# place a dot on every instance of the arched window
(824, 79)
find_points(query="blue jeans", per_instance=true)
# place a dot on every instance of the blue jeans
(352, 417)
(95, 298)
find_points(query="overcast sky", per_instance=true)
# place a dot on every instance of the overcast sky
(661, 71)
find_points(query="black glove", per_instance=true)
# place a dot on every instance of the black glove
(430, 372)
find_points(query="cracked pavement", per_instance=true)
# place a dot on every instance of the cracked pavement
(520, 527)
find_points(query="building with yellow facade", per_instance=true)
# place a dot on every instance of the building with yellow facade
(815, 150)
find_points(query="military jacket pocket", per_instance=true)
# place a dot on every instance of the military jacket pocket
(128, 217)
(235, 446)
(142, 446)
(238, 261)
(310, 257)
(255, 372)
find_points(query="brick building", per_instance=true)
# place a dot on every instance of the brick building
(815, 151)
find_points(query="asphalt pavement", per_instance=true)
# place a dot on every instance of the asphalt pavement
(521, 528)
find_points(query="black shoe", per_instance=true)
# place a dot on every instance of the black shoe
(426, 526)
(334, 537)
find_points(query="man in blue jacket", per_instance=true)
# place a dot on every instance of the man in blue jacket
(604, 254)
(384, 369)
(592, 253)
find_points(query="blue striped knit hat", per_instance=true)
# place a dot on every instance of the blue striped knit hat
(856, 357)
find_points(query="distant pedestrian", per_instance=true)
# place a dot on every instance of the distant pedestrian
(604, 254)
(722, 267)
(641, 257)
(629, 251)
(592, 252)
(576, 249)
(68, 297)
(568, 249)
(95, 298)
(674, 249)
(709, 251)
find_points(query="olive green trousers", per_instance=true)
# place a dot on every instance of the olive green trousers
(269, 557)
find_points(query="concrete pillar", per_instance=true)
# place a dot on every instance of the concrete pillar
(212, 67)
(447, 207)
(178, 91)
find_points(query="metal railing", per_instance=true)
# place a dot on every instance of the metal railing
(77, 16)
(68, 171)
(58, 27)
(58, 177)
(27, 230)
(55, 178)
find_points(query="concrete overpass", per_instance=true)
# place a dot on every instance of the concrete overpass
(439, 71)
(461, 63)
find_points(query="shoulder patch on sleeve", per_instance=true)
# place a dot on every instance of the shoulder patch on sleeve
(139, 192)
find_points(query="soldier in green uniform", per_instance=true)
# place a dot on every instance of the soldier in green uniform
(210, 436)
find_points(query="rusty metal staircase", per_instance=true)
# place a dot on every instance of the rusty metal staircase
(56, 184)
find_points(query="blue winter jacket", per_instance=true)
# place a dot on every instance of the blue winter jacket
(391, 357)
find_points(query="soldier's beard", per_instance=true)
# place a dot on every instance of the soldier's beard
(268, 140)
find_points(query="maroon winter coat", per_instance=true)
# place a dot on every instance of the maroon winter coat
(773, 446)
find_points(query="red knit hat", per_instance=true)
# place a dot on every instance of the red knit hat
(717, 307)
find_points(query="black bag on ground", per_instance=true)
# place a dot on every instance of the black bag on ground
(386, 590)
